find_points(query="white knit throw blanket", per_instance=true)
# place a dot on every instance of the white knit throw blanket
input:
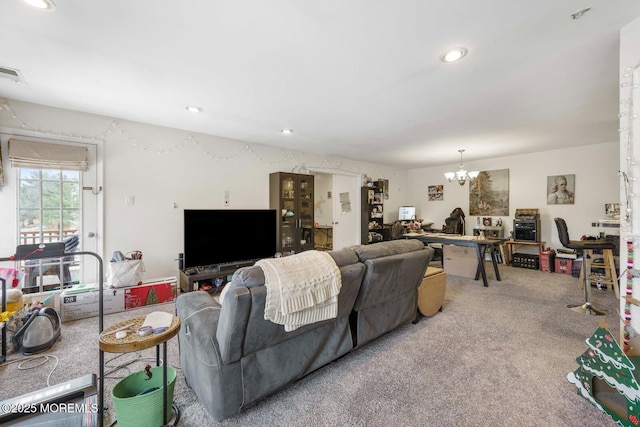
(301, 288)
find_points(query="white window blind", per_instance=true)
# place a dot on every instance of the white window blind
(42, 155)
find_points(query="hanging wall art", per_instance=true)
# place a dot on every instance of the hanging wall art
(436, 193)
(489, 194)
(561, 189)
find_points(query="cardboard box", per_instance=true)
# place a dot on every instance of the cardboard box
(431, 291)
(460, 260)
(157, 292)
(74, 306)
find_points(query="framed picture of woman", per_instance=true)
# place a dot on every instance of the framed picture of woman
(561, 189)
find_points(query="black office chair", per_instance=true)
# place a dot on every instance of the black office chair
(397, 230)
(584, 246)
(455, 223)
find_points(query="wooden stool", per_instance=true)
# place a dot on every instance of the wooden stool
(608, 264)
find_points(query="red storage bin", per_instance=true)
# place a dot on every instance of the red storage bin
(563, 265)
(547, 259)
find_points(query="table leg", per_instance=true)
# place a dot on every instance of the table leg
(164, 382)
(480, 251)
(493, 253)
(507, 256)
(101, 397)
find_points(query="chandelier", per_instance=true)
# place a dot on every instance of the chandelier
(462, 175)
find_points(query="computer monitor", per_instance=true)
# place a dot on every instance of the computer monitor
(406, 213)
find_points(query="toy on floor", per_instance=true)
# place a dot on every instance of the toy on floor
(607, 378)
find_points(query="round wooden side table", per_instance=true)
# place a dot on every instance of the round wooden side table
(134, 342)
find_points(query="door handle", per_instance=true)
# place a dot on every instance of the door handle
(91, 234)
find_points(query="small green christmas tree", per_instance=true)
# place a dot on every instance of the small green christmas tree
(152, 297)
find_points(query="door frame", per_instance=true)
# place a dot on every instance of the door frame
(8, 198)
(355, 198)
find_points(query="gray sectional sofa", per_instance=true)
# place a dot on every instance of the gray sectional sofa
(232, 357)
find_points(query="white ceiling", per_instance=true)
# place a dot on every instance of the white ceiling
(355, 78)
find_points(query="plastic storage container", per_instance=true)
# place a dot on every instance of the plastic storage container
(529, 261)
(547, 261)
(137, 399)
(563, 265)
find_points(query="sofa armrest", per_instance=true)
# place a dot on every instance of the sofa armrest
(217, 385)
(199, 315)
(232, 324)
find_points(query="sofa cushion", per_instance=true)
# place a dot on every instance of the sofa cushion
(245, 277)
(243, 330)
(249, 277)
(344, 257)
(384, 249)
(389, 290)
(252, 276)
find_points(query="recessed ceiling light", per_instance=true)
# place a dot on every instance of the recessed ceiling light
(41, 4)
(287, 131)
(194, 109)
(454, 54)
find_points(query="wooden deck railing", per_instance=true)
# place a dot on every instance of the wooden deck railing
(31, 237)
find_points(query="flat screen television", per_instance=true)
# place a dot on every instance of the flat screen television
(406, 213)
(228, 236)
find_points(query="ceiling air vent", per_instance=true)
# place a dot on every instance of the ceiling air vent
(11, 74)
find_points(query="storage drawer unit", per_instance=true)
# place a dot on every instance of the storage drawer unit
(529, 261)
(576, 267)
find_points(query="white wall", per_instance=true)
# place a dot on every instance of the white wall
(629, 156)
(159, 167)
(595, 168)
(630, 64)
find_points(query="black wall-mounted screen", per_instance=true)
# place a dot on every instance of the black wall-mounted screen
(223, 236)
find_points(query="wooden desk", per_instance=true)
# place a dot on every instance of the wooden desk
(508, 249)
(493, 245)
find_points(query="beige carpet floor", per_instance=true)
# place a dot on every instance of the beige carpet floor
(494, 356)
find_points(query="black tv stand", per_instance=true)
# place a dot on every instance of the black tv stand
(211, 278)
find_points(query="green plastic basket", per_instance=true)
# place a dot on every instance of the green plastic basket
(142, 410)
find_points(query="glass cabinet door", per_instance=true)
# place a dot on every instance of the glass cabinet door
(306, 212)
(289, 212)
(292, 194)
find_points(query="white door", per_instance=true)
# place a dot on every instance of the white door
(88, 201)
(346, 218)
(91, 237)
